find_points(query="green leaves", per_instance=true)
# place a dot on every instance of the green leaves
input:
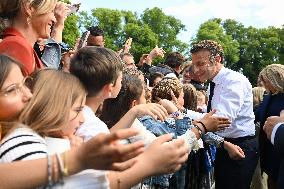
(147, 30)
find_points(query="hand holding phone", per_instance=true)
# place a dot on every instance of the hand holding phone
(127, 45)
(73, 8)
(83, 40)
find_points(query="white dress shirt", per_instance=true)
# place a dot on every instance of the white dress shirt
(274, 131)
(233, 99)
(92, 125)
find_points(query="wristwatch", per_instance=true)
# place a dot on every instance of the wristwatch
(199, 130)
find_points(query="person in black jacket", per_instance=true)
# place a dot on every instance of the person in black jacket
(274, 129)
(273, 77)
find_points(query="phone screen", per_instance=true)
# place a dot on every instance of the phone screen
(74, 8)
(83, 39)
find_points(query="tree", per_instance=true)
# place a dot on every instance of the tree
(258, 47)
(147, 30)
(166, 27)
(71, 30)
(281, 49)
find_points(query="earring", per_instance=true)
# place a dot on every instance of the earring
(29, 20)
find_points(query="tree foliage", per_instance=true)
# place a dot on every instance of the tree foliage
(247, 49)
(147, 30)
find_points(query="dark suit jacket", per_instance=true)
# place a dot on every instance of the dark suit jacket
(279, 147)
(279, 140)
(269, 159)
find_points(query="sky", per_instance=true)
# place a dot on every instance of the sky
(192, 13)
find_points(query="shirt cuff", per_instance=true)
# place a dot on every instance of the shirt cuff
(274, 132)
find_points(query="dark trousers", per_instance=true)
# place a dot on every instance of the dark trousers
(236, 174)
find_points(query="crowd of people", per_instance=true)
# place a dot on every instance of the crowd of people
(90, 117)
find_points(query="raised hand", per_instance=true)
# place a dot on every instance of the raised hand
(165, 156)
(168, 105)
(175, 101)
(60, 12)
(155, 53)
(104, 151)
(271, 122)
(154, 110)
(214, 123)
(127, 45)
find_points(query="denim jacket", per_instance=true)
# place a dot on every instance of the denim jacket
(52, 54)
(178, 128)
(159, 128)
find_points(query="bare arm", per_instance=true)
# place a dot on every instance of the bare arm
(60, 13)
(101, 152)
(152, 163)
(152, 109)
(31, 173)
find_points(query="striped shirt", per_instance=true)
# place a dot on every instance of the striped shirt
(22, 144)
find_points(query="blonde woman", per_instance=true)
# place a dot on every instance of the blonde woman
(26, 21)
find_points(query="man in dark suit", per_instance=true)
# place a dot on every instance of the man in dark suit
(274, 128)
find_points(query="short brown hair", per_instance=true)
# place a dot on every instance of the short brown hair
(213, 47)
(174, 59)
(96, 67)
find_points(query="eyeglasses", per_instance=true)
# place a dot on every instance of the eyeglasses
(17, 88)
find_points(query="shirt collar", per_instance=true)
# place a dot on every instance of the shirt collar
(12, 32)
(219, 77)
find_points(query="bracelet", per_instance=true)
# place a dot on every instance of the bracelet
(49, 171)
(61, 167)
(55, 172)
(65, 169)
(199, 130)
(203, 125)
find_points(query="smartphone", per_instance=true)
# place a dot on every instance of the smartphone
(74, 8)
(128, 43)
(83, 39)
